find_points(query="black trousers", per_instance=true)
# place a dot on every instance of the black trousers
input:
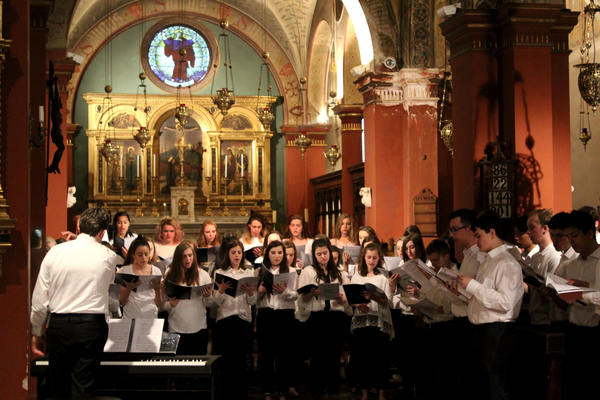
(370, 357)
(191, 344)
(326, 331)
(273, 328)
(493, 348)
(75, 346)
(231, 334)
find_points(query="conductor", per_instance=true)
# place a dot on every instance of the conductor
(72, 288)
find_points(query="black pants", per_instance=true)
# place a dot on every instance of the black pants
(273, 328)
(75, 346)
(581, 367)
(191, 344)
(370, 361)
(231, 333)
(326, 330)
(493, 348)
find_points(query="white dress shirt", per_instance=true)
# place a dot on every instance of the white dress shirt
(526, 258)
(543, 262)
(140, 304)
(240, 305)
(471, 261)
(587, 271)
(189, 316)
(497, 289)
(557, 314)
(283, 301)
(74, 278)
(309, 277)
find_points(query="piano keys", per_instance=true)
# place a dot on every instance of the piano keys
(127, 375)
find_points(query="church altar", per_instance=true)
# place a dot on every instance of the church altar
(214, 166)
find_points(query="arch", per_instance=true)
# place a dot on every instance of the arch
(249, 30)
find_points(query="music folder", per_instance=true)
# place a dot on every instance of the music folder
(236, 284)
(207, 254)
(185, 292)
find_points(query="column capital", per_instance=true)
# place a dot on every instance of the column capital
(316, 132)
(351, 116)
(63, 70)
(409, 86)
(471, 30)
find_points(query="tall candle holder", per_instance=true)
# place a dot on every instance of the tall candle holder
(140, 205)
(243, 212)
(208, 212)
(122, 182)
(225, 212)
(155, 212)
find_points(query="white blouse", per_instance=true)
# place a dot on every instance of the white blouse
(308, 277)
(189, 316)
(240, 306)
(379, 315)
(283, 301)
(140, 304)
(164, 251)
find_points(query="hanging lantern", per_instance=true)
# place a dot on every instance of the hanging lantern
(109, 151)
(266, 118)
(182, 115)
(446, 134)
(224, 100)
(589, 72)
(142, 137)
(332, 155)
(303, 142)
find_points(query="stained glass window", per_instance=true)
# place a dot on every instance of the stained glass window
(164, 56)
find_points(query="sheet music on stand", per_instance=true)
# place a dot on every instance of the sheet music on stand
(141, 335)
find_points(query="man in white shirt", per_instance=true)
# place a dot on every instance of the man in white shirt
(497, 293)
(72, 288)
(523, 241)
(460, 231)
(545, 261)
(582, 336)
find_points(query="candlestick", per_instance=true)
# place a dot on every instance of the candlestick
(242, 166)
(41, 110)
(208, 212)
(121, 166)
(154, 165)
(306, 214)
(154, 192)
(165, 208)
(225, 212)
(243, 212)
(140, 205)
(274, 217)
(226, 166)
(138, 166)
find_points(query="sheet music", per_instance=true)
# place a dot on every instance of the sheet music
(146, 279)
(288, 278)
(560, 285)
(353, 252)
(417, 274)
(147, 335)
(118, 335)
(329, 291)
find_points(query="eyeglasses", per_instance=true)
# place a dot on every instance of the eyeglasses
(455, 229)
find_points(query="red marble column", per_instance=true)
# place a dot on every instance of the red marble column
(401, 144)
(472, 38)
(351, 117)
(299, 193)
(499, 90)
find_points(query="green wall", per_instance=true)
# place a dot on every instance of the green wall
(125, 66)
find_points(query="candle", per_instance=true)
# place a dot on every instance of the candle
(242, 158)
(154, 165)
(274, 217)
(306, 214)
(41, 111)
(225, 165)
(121, 165)
(138, 166)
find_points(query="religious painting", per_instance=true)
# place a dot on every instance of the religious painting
(179, 55)
(124, 120)
(126, 165)
(169, 155)
(236, 166)
(236, 122)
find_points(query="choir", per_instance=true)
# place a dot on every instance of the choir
(467, 290)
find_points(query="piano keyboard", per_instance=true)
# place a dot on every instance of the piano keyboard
(152, 363)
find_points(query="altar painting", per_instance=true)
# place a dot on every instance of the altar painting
(128, 158)
(236, 162)
(168, 155)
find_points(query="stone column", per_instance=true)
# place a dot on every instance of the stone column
(351, 116)
(401, 144)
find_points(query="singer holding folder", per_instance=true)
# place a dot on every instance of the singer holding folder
(325, 319)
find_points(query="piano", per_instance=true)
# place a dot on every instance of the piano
(148, 376)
